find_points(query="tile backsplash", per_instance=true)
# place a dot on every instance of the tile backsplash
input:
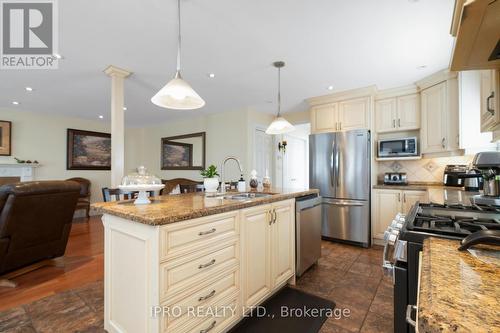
(423, 170)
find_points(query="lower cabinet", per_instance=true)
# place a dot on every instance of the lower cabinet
(387, 203)
(268, 252)
(232, 260)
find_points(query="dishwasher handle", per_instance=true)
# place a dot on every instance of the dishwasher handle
(307, 204)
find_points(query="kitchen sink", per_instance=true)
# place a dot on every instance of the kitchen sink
(246, 196)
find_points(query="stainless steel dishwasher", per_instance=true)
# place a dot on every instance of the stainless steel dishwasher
(307, 232)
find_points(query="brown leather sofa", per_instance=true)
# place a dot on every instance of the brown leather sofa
(35, 221)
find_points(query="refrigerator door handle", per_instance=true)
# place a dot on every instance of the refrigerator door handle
(344, 203)
(337, 166)
(332, 164)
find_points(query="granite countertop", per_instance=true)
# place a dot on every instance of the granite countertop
(459, 292)
(418, 186)
(174, 208)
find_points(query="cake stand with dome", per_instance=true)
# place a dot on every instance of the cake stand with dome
(142, 182)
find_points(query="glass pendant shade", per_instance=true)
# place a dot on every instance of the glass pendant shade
(280, 126)
(177, 94)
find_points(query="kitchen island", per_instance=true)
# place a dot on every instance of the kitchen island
(190, 263)
(458, 291)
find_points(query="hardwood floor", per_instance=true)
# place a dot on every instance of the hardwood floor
(83, 263)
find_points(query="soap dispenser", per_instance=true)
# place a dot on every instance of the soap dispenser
(242, 185)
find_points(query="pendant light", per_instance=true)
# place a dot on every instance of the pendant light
(279, 125)
(177, 94)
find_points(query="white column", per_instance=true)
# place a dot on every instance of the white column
(117, 123)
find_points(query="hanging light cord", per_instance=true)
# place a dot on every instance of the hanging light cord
(279, 91)
(179, 37)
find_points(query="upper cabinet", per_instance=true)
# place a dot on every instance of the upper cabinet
(341, 112)
(354, 114)
(440, 114)
(397, 113)
(490, 113)
(324, 118)
(476, 26)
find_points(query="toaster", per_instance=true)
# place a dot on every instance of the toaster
(395, 178)
(451, 175)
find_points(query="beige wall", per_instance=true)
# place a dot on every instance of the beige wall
(42, 137)
(227, 134)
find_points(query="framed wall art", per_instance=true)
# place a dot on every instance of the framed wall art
(5, 138)
(183, 152)
(88, 150)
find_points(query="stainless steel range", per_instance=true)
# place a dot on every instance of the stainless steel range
(404, 239)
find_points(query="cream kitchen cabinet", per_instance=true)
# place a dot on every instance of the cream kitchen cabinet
(440, 119)
(324, 118)
(256, 241)
(341, 116)
(400, 113)
(354, 114)
(389, 202)
(268, 255)
(490, 113)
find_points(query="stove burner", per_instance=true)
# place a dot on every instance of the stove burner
(460, 206)
(453, 223)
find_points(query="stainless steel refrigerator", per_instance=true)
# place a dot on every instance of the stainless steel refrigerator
(339, 166)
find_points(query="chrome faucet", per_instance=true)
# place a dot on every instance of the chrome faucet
(223, 181)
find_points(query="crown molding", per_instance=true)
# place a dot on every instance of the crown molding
(343, 95)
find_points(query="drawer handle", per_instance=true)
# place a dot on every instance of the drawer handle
(275, 216)
(210, 263)
(209, 328)
(203, 298)
(203, 233)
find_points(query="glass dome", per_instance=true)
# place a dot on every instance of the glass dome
(141, 178)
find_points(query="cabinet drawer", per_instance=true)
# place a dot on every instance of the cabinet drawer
(182, 238)
(220, 287)
(181, 274)
(226, 314)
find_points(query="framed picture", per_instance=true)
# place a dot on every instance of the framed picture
(176, 155)
(5, 138)
(88, 150)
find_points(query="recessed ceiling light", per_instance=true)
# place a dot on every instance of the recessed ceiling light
(15, 102)
(57, 56)
(28, 89)
(422, 67)
(330, 88)
(211, 75)
(124, 108)
(100, 117)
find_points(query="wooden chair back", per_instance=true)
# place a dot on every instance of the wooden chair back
(115, 194)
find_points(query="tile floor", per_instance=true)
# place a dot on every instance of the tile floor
(350, 276)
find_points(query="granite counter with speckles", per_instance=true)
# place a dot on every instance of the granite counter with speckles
(174, 208)
(459, 292)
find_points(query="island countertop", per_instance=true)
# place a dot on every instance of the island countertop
(459, 292)
(180, 207)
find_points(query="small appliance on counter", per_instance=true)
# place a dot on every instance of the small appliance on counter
(395, 178)
(451, 175)
(488, 164)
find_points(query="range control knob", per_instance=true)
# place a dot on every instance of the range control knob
(392, 239)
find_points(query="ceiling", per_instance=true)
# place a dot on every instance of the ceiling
(338, 43)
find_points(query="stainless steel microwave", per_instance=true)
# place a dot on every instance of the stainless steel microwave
(401, 147)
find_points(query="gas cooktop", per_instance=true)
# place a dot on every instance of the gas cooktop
(450, 220)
